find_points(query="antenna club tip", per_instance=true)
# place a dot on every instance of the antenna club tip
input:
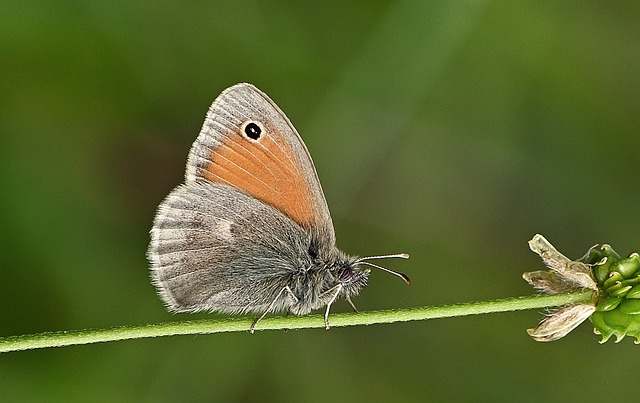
(403, 255)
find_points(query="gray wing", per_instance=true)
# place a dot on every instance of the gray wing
(213, 248)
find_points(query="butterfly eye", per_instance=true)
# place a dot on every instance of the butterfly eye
(346, 275)
(252, 130)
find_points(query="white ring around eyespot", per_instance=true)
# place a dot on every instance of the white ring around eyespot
(257, 123)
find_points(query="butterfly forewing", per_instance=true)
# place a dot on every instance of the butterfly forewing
(273, 166)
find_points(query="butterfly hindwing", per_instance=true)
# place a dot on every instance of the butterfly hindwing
(214, 248)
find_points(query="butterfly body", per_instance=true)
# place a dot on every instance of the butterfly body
(249, 231)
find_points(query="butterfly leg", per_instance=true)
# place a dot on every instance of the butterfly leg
(348, 298)
(272, 305)
(336, 291)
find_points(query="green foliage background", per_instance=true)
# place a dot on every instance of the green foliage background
(450, 130)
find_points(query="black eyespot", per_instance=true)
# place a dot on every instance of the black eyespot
(253, 131)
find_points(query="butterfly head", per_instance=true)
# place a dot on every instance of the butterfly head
(351, 277)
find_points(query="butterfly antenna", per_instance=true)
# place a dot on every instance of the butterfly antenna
(363, 260)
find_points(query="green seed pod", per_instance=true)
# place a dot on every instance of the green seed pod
(601, 257)
(621, 291)
(609, 304)
(618, 308)
(615, 279)
(634, 292)
(630, 306)
(631, 281)
(627, 267)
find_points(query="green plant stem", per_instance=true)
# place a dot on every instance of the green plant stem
(75, 337)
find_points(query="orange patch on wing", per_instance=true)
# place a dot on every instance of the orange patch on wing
(267, 170)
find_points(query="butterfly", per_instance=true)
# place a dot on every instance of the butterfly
(249, 230)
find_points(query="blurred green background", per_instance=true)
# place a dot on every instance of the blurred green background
(453, 131)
